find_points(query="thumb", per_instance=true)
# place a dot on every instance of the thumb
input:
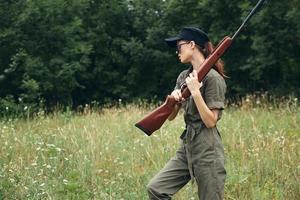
(195, 73)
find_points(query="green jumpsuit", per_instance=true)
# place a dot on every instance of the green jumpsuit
(201, 154)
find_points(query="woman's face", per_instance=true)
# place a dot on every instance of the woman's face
(184, 51)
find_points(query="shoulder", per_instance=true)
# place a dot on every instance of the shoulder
(214, 82)
(181, 78)
(213, 75)
(183, 74)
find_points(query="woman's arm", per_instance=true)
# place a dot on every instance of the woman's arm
(178, 97)
(208, 116)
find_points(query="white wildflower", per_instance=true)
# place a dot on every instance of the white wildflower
(50, 145)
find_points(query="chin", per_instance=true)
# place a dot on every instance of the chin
(184, 61)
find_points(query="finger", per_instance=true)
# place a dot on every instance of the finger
(176, 97)
(179, 95)
(195, 74)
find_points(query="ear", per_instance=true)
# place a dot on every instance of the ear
(193, 44)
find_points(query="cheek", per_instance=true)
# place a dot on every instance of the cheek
(183, 59)
(185, 56)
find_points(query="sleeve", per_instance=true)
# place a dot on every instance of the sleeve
(214, 92)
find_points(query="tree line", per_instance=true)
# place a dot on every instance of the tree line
(73, 52)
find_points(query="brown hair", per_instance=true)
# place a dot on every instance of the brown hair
(207, 51)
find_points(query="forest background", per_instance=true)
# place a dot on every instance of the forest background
(70, 53)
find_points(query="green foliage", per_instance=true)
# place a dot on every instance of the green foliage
(78, 51)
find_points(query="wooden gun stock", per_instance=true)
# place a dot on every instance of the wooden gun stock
(156, 118)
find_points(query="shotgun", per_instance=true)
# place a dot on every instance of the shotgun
(154, 120)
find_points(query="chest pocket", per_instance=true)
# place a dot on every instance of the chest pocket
(191, 111)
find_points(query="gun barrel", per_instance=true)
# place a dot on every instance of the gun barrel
(257, 6)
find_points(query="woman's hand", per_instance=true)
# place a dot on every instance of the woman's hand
(208, 116)
(193, 83)
(177, 95)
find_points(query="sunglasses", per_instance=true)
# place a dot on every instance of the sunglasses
(179, 47)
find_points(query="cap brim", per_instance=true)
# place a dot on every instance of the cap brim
(172, 42)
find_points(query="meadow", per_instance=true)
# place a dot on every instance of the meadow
(100, 154)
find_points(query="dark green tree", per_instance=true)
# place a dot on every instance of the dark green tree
(72, 52)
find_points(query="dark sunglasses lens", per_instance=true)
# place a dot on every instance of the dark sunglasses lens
(179, 47)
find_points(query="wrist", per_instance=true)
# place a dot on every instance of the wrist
(196, 93)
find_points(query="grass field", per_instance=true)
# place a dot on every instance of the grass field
(101, 155)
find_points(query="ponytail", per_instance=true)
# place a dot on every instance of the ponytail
(219, 65)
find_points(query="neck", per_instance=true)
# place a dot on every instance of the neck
(197, 60)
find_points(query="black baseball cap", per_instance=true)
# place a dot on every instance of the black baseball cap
(190, 34)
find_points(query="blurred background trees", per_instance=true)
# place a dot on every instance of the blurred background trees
(73, 52)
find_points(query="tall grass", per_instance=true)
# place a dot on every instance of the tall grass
(101, 155)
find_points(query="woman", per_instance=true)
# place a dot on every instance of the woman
(201, 155)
